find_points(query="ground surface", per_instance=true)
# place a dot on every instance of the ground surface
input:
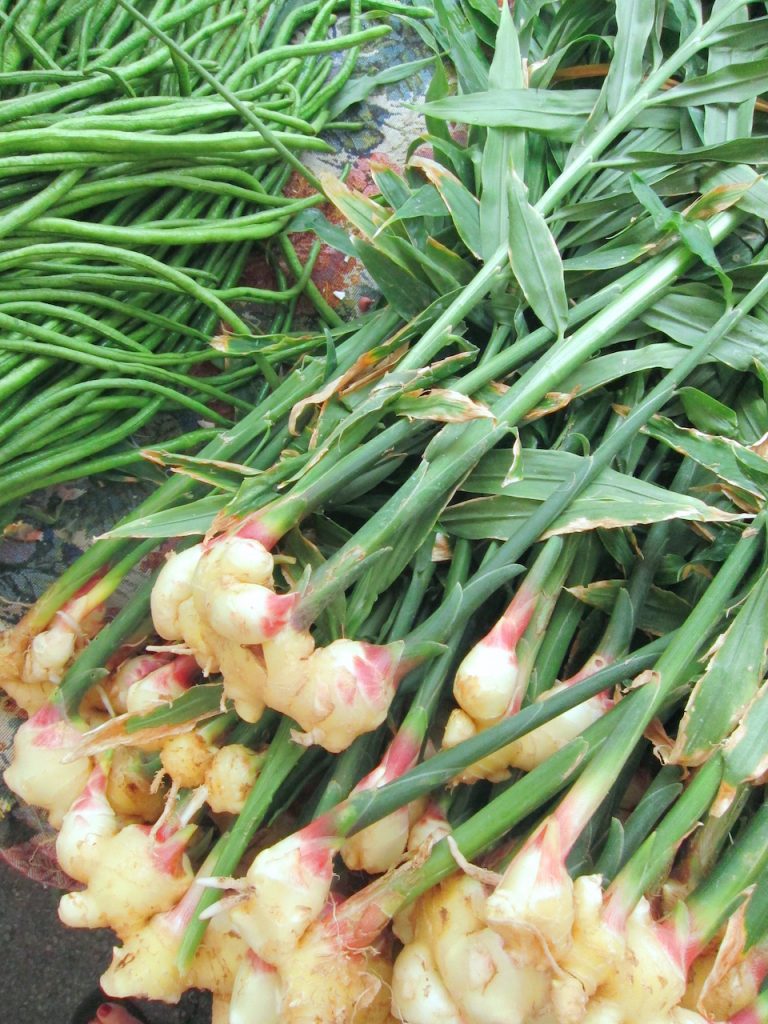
(47, 972)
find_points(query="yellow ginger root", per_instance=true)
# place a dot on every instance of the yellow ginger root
(38, 772)
(288, 885)
(533, 905)
(86, 825)
(286, 659)
(351, 685)
(145, 966)
(381, 846)
(645, 984)
(335, 693)
(527, 752)
(186, 758)
(135, 877)
(478, 975)
(129, 787)
(230, 777)
(257, 994)
(418, 993)
(244, 678)
(226, 561)
(544, 742)
(460, 727)
(325, 982)
(234, 592)
(172, 587)
(594, 947)
(202, 641)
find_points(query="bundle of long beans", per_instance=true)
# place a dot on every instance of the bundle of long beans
(130, 197)
(463, 583)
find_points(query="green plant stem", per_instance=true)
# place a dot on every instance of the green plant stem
(282, 757)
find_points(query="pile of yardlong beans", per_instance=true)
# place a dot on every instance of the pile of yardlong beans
(130, 197)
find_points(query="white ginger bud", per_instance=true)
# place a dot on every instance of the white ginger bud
(257, 996)
(232, 560)
(230, 777)
(381, 846)
(186, 758)
(429, 828)
(50, 652)
(136, 876)
(38, 772)
(247, 612)
(487, 681)
(352, 685)
(88, 822)
(130, 672)
(533, 903)
(289, 884)
(418, 993)
(244, 678)
(161, 686)
(172, 587)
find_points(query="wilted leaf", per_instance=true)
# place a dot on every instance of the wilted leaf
(745, 753)
(724, 457)
(442, 406)
(463, 206)
(178, 716)
(613, 500)
(733, 674)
